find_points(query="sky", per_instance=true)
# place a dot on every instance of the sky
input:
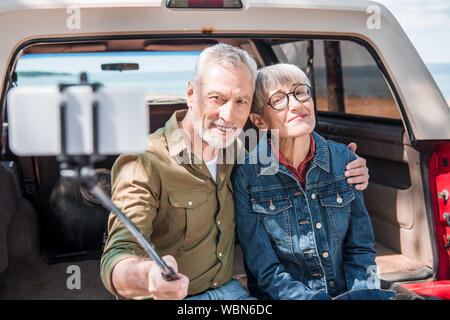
(427, 24)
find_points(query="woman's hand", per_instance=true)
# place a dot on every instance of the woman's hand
(357, 172)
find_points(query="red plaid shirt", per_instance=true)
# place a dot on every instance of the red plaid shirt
(299, 173)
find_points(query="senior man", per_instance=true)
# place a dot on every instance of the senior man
(179, 192)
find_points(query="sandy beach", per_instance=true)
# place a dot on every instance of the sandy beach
(369, 106)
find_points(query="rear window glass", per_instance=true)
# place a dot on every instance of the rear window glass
(162, 75)
(351, 84)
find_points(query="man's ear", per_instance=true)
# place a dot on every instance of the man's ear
(190, 94)
(258, 121)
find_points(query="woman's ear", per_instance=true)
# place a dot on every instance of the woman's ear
(258, 121)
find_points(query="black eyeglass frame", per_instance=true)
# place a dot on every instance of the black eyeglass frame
(293, 94)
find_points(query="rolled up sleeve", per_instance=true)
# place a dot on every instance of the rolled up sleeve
(137, 197)
(359, 247)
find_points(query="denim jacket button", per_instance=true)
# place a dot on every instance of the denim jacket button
(318, 225)
(331, 283)
(271, 207)
(313, 196)
(325, 255)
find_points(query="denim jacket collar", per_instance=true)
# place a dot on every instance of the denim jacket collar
(322, 155)
(271, 162)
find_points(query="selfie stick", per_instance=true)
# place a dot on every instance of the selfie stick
(81, 168)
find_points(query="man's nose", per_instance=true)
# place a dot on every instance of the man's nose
(227, 112)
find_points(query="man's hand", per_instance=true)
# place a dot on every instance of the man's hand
(162, 289)
(356, 171)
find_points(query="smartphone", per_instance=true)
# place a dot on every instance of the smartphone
(35, 126)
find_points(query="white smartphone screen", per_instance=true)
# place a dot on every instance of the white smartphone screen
(34, 124)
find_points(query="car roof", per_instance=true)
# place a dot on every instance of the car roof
(420, 100)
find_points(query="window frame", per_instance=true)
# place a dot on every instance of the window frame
(206, 36)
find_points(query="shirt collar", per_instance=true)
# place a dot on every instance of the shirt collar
(175, 136)
(176, 141)
(287, 163)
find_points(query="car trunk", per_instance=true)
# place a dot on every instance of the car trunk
(395, 200)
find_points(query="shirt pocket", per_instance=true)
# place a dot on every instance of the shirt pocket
(191, 208)
(274, 213)
(337, 206)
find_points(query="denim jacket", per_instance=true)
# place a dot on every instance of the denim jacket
(309, 243)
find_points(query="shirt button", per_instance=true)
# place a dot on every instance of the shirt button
(313, 196)
(218, 222)
(220, 254)
(190, 203)
(215, 284)
(318, 225)
(325, 255)
(331, 284)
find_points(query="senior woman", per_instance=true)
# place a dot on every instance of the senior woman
(304, 231)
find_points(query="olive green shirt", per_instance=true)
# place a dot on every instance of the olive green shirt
(169, 194)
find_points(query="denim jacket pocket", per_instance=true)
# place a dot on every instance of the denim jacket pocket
(337, 208)
(271, 205)
(274, 214)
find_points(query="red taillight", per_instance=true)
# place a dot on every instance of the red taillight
(204, 4)
(440, 192)
(440, 289)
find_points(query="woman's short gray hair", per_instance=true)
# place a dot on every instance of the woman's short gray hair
(273, 77)
(225, 55)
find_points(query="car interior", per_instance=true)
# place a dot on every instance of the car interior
(53, 224)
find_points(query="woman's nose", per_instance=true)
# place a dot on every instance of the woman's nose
(293, 104)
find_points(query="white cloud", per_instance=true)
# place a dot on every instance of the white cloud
(427, 24)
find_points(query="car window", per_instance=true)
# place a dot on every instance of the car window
(354, 86)
(162, 75)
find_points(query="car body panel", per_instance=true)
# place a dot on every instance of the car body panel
(424, 111)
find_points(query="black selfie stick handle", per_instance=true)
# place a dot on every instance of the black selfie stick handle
(169, 276)
(167, 272)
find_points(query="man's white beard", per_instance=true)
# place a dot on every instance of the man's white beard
(213, 140)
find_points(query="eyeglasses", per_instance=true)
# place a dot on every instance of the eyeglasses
(280, 100)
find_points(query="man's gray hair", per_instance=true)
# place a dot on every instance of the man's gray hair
(225, 55)
(272, 77)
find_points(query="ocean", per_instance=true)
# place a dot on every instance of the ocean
(441, 74)
(170, 83)
(359, 81)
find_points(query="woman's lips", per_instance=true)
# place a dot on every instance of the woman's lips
(299, 116)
